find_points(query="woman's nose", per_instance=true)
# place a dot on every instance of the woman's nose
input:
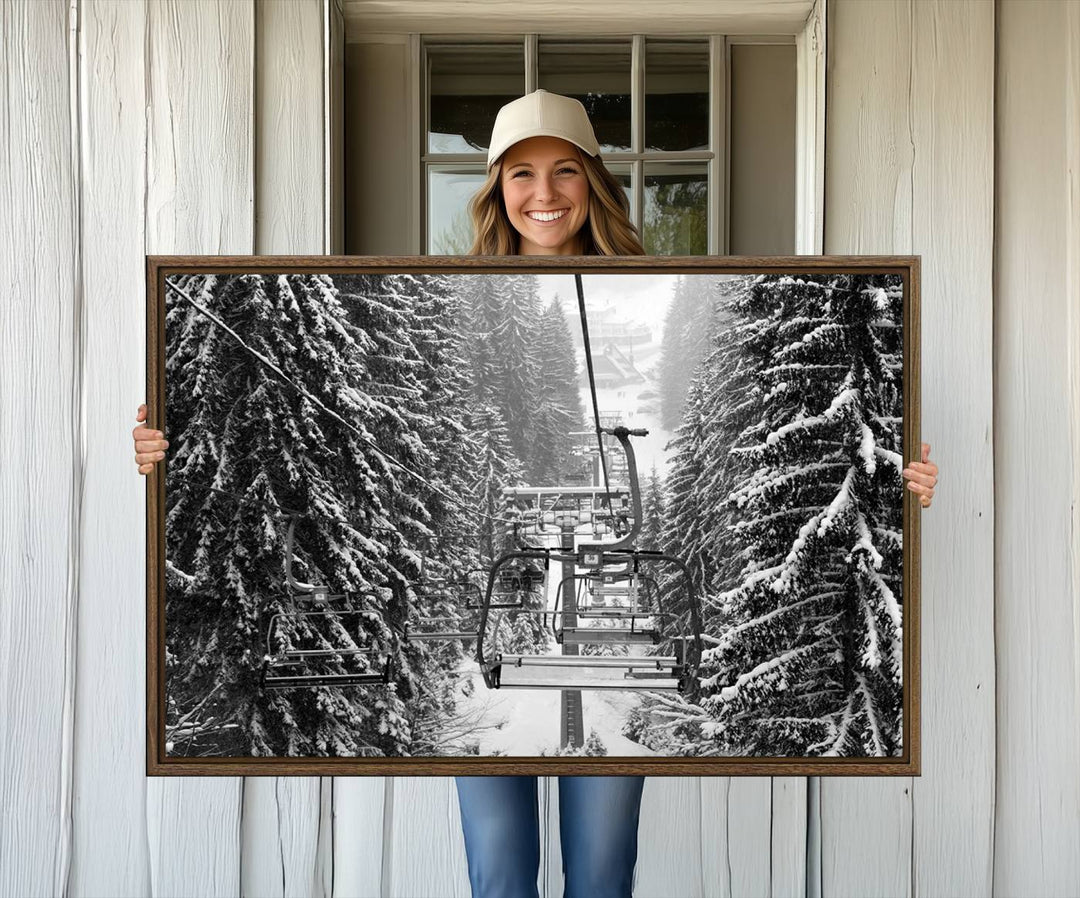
(545, 188)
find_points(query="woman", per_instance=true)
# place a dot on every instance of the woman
(548, 193)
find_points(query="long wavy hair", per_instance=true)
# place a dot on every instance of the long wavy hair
(607, 230)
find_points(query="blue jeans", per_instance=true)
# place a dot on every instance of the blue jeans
(598, 832)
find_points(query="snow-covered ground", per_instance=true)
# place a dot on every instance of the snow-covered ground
(530, 718)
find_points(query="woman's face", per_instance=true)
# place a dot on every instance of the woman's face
(546, 195)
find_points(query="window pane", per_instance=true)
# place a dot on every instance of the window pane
(676, 209)
(597, 74)
(676, 95)
(466, 87)
(449, 191)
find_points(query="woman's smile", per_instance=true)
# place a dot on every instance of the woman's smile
(553, 215)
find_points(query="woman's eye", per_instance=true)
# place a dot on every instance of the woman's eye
(524, 172)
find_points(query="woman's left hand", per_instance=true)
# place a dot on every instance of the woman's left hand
(922, 477)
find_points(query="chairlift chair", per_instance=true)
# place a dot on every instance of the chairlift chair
(286, 666)
(517, 579)
(438, 629)
(434, 587)
(614, 566)
(626, 623)
(300, 643)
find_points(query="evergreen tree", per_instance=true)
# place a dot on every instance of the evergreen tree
(435, 597)
(241, 429)
(384, 352)
(518, 364)
(559, 411)
(810, 658)
(652, 525)
(682, 533)
(483, 302)
(687, 326)
(593, 748)
(495, 468)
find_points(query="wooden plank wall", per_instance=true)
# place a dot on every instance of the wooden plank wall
(1037, 306)
(177, 127)
(110, 787)
(909, 155)
(41, 446)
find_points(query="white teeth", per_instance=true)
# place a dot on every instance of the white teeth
(546, 216)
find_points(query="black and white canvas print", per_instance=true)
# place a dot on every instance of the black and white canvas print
(467, 514)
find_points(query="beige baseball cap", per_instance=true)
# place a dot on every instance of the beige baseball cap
(541, 113)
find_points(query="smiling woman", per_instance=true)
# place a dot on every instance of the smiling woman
(547, 191)
(546, 195)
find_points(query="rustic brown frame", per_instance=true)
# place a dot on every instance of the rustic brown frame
(158, 764)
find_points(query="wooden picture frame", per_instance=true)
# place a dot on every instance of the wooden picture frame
(372, 439)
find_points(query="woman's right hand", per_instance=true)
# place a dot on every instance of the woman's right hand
(150, 445)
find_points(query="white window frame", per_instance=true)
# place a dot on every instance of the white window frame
(810, 119)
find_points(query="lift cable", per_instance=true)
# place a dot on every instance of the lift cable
(592, 388)
(319, 403)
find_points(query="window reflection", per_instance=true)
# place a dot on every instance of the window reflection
(676, 209)
(449, 191)
(467, 84)
(676, 95)
(597, 74)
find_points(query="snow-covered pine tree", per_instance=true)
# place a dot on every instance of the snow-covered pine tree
(527, 633)
(811, 662)
(201, 714)
(593, 748)
(652, 511)
(559, 412)
(687, 326)
(519, 379)
(240, 428)
(483, 301)
(495, 468)
(723, 400)
(445, 534)
(682, 534)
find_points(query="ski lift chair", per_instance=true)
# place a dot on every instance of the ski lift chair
(300, 644)
(432, 587)
(611, 565)
(438, 629)
(627, 622)
(518, 579)
(660, 673)
(633, 592)
(288, 666)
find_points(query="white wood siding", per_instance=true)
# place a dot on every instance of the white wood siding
(909, 169)
(1037, 304)
(178, 127)
(41, 447)
(108, 821)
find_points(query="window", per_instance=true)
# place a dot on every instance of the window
(650, 104)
